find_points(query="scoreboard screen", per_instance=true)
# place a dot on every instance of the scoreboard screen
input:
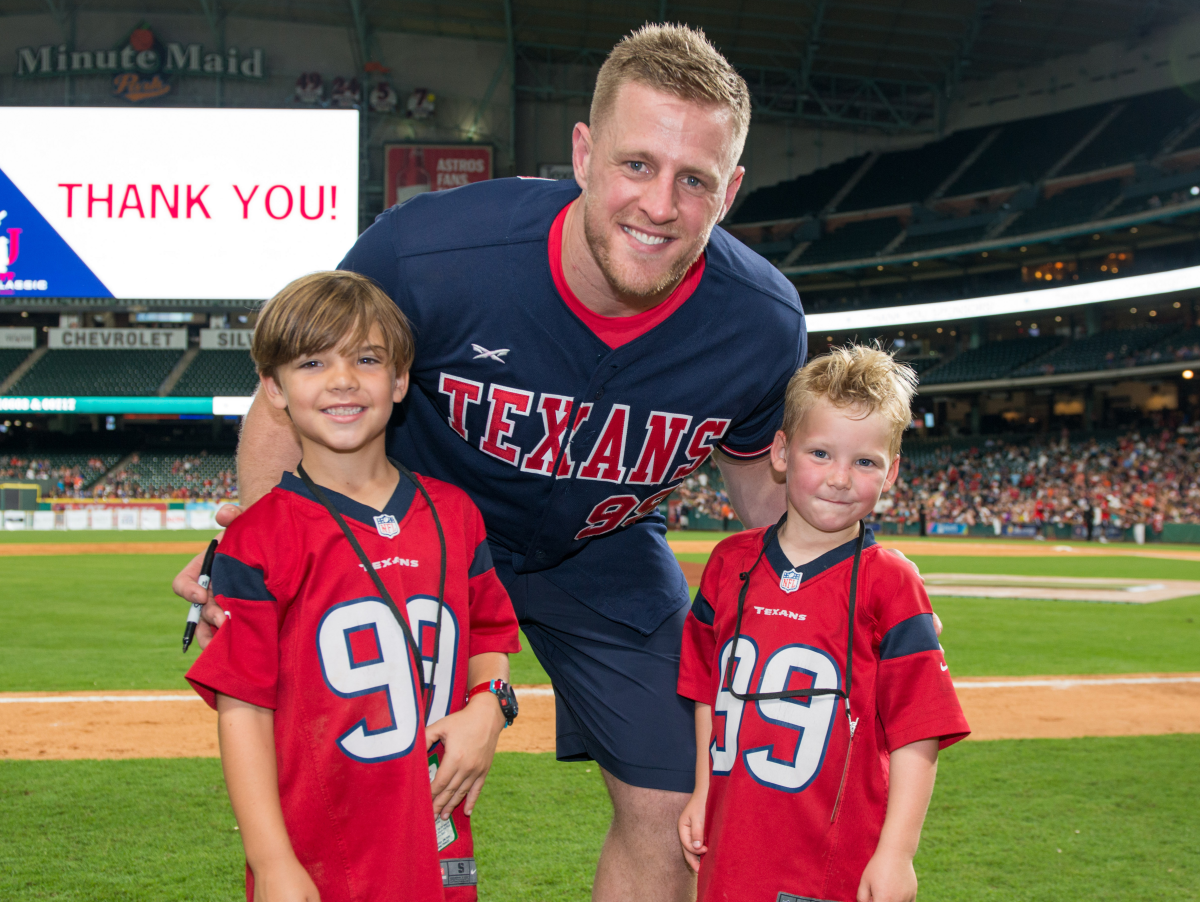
(173, 203)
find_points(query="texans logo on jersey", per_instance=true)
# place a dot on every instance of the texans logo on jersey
(789, 581)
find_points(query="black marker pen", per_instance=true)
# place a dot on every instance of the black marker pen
(189, 629)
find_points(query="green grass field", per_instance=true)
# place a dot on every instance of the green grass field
(1032, 820)
(162, 829)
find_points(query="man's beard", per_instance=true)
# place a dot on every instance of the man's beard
(600, 245)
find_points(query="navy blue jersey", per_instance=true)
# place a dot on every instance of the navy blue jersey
(567, 445)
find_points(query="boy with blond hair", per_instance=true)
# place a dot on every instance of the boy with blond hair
(361, 606)
(822, 695)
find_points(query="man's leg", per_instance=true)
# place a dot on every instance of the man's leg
(641, 859)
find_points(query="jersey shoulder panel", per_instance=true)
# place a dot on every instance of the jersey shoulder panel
(735, 553)
(738, 262)
(481, 214)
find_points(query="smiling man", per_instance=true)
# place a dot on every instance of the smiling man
(581, 349)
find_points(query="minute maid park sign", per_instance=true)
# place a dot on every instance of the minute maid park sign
(141, 65)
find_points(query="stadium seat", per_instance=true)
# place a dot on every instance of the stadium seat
(1026, 149)
(218, 373)
(798, 197)
(1104, 350)
(10, 359)
(910, 176)
(1075, 205)
(106, 373)
(852, 242)
(991, 360)
(1138, 131)
(914, 244)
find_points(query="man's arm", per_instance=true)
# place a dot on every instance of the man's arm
(889, 875)
(755, 490)
(267, 447)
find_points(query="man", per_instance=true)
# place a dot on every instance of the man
(581, 349)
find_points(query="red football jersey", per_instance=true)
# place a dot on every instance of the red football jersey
(776, 765)
(309, 637)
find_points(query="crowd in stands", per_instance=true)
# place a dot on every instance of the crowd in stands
(189, 477)
(1150, 479)
(64, 479)
(700, 497)
(1114, 483)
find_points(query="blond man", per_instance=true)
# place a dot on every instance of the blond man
(581, 349)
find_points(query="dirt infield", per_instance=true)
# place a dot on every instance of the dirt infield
(46, 725)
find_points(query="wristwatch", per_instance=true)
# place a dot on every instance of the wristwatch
(504, 694)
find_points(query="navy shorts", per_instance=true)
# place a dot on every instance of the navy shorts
(614, 689)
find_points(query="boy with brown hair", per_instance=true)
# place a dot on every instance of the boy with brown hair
(822, 695)
(361, 606)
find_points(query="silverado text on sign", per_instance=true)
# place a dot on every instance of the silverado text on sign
(277, 201)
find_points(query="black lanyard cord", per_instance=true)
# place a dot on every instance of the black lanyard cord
(401, 617)
(737, 634)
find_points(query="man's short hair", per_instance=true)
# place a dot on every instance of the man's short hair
(329, 310)
(677, 60)
(857, 376)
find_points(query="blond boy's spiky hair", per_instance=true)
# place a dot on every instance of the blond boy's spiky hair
(857, 376)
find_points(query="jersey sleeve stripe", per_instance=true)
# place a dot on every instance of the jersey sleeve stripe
(702, 610)
(908, 637)
(234, 579)
(743, 455)
(482, 562)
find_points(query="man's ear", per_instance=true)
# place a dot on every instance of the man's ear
(273, 391)
(401, 387)
(731, 190)
(581, 152)
(779, 452)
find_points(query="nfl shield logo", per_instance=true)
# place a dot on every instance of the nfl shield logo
(387, 526)
(790, 581)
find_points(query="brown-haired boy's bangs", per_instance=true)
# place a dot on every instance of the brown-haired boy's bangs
(329, 310)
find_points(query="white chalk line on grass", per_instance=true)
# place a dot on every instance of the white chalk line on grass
(1071, 684)
(59, 699)
(546, 691)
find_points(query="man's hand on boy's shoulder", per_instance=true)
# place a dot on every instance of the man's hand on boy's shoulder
(469, 738)
(187, 586)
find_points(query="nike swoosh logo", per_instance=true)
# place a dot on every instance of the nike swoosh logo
(944, 667)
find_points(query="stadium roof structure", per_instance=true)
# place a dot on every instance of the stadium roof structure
(885, 64)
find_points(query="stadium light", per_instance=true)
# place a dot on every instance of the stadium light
(1004, 304)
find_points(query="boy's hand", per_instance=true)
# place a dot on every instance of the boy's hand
(284, 881)
(889, 877)
(691, 830)
(469, 737)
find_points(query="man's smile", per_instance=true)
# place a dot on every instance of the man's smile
(644, 238)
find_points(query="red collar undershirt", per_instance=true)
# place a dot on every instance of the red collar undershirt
(615, 331)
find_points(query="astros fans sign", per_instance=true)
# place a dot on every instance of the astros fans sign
(173, 203)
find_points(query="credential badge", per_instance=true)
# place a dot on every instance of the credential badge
(789, 582)
(387, 526)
